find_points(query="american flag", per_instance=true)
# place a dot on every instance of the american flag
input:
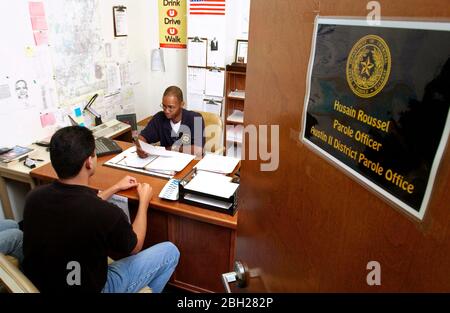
(207, 7)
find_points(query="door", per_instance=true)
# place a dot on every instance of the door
(307, 227)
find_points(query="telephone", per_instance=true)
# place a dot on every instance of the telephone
(170, 190)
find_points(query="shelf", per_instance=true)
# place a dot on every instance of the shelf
(234, 151)
(234, 107)
(235, 122)
(237, 95)
(237, 68)
(236, 118)
(235, 141)
(235, 134)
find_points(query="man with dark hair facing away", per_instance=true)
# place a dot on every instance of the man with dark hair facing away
(69, 228)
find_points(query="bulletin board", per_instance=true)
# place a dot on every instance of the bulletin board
(55, 61)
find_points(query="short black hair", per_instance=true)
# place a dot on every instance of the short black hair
(174, 91)
(69, 149)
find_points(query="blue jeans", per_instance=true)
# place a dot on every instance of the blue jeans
(11, 238)
(151, 267)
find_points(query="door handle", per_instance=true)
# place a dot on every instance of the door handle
(240, 274)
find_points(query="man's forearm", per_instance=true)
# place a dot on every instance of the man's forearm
(142, 138)
(106, 194)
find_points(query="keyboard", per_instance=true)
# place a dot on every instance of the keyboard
(106, 146)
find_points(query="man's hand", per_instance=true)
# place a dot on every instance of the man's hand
(145, 192)
(141, 153)
(126, 183)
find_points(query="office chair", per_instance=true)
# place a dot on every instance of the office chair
(12, 278)
(213, 132)
(16, 282)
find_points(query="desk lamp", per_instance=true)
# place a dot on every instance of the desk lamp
(88, 107)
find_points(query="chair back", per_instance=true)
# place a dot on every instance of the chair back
(213, 132)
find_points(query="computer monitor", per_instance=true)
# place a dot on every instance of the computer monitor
(129, 119)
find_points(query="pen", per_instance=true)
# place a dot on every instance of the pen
(37, 159)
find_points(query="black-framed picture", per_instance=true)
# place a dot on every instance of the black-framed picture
(241, 51)
(120, 21)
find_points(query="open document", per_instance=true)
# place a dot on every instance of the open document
(158, 163)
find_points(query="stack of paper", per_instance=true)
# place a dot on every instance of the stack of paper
(237, 117)
(212, 184)
(239, 94)
(157, 150)
(235, 134)
(217, 163)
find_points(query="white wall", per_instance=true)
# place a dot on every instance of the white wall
(143, 37)
(237, 25)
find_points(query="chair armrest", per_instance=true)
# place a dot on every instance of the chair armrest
(13, 278)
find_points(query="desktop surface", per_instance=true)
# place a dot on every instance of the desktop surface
(105, 176)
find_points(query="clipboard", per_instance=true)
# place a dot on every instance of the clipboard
(120, 21)
(213, 105)
(197, 50)
(215, 82)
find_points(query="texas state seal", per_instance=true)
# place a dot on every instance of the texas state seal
(368, 66)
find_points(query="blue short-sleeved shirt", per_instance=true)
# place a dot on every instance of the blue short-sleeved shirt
(191, 130)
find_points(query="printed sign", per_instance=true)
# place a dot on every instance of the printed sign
(172, 24)
(377, 104)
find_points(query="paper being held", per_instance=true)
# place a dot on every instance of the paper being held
(155, 150)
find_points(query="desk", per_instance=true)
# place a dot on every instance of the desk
(19, 172)
(205, 238)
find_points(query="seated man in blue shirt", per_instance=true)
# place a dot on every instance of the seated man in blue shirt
(174, 127)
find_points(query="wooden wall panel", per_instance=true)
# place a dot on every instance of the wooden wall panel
(308, 226)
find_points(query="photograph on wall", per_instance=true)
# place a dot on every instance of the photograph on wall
(377, 104)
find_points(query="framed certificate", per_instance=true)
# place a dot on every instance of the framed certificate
(241, 51)
(120, 21)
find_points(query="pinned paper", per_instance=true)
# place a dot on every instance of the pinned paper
(39, 23)
(36, 8)
(48, 119)
(158, 61)
(40, 37)
(79, 118)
